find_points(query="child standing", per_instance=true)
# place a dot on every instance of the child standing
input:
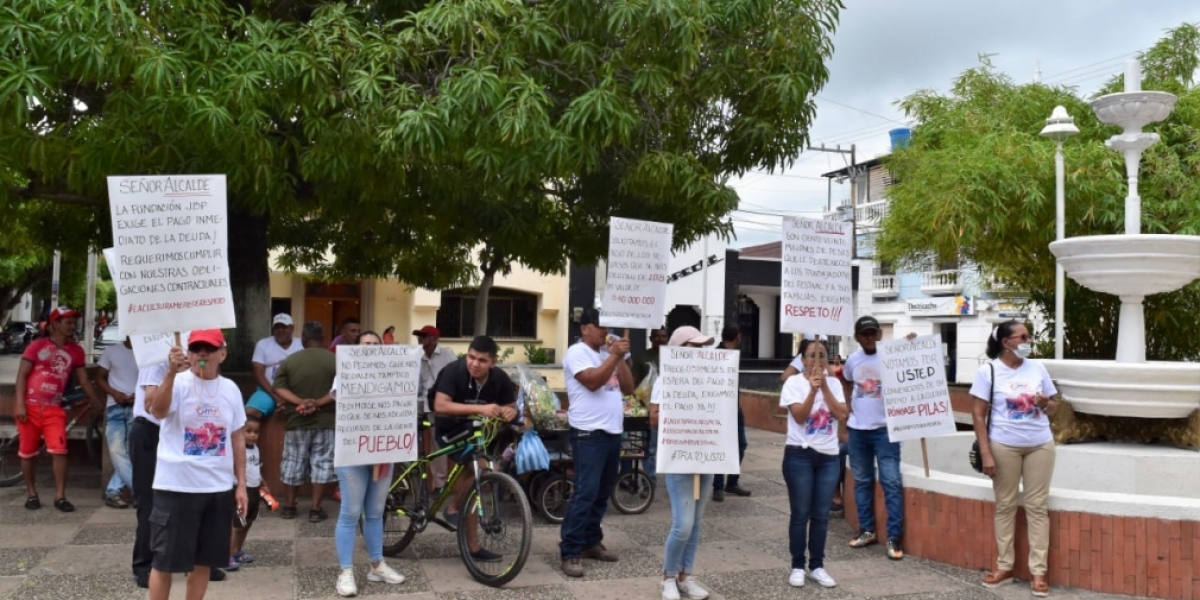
(255, 486)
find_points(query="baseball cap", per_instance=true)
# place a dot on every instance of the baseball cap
(427, 330)
(590, 316)
(866, 324)
(689, 335)
(61, 312)
(282, 319)
(212, 337)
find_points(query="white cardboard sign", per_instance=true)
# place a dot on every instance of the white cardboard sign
(376, 404)
(697, 418)
(148, 349)
(171, 242)
(639, 260)
(915, 396)
(815, 281)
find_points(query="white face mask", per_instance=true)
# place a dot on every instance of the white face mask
(1023, 350)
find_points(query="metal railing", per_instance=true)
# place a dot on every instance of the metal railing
(941, 283)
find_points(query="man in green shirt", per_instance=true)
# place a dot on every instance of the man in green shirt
(303, 382)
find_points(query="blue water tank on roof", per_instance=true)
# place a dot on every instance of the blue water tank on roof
(900, 137)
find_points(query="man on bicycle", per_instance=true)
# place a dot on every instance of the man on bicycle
(471, 387)
(46, 366)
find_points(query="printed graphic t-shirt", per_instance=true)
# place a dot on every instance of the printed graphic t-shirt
(52, 366)
(591, 410)
(1016, 419)
(195, 451)
(819, 430)
(253, 467)
(122, 369)
(865, 372)
(268, 353)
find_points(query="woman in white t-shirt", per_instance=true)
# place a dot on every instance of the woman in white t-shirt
(1017, 448)
(815, 403)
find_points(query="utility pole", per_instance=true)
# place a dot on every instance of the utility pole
(854, 173)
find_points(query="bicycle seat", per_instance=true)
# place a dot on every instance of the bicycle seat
(71, 398)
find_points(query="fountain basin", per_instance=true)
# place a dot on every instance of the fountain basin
(1134, 110)
(1130, 265)
(1164, 390)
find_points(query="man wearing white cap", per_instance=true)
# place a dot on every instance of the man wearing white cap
(269, 353)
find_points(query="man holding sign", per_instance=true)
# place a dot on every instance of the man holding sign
(597, 378)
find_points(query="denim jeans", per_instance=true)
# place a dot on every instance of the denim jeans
(650, 463)
(117, 421)
(361, 496)
(866, 447)
(719, 480)
(679, 555)
(811, 477)
(597, 457)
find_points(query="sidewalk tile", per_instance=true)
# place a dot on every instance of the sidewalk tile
(87, 560)
(32, 536)
(21, 561)
(643, 588)
(109, 586)
(633, 563)
(260, 583)
(891, 582)
(269, 553)
(319, 582)
(767, 584)
(105, 535)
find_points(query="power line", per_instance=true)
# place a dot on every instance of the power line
(1107, 60)
(865, 112)
(790, 176)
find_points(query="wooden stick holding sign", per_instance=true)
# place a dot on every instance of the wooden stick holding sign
(925, 456)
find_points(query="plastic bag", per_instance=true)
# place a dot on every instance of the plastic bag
(532, 454)
(541, 402)
(640, 403)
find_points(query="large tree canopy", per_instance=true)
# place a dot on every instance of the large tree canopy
(977, 182)
(413, 139)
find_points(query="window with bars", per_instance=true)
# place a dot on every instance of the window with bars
(511, 314)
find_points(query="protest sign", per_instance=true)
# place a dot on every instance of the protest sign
(171, 242)
(697, 418)
(815, 282)
(639, 259)
(148, 349)
(376, 404)
(915, 396)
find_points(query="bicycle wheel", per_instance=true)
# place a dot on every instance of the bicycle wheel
(553, 495)
(534, 485)
(634, 492)
(405, 503)
(10, 463)
(496, 516)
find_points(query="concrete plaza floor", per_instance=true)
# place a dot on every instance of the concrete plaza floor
(45, 554)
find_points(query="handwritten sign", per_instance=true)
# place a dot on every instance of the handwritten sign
(817, 295)
(376, 404)
(171, 242)
(697, 419)
(915, 395)
(148, 349)
(639, 259)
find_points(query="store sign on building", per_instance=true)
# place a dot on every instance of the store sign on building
(941, 307)
(695, 268)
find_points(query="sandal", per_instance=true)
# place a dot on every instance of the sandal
(997, 578)
(316, 516)
(1039, 587)
(242, 557)
(32, 503)
(288, 512)
(63, 505)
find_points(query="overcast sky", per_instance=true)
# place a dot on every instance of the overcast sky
(887, 49)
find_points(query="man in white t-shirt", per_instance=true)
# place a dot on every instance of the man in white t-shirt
(118, 376)
(869, 442)
(597, 377)
(269, 353)
(200, 482)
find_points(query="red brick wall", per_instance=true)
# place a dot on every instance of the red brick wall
(1119, 555)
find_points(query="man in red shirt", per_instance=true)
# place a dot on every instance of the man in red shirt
(46, 366)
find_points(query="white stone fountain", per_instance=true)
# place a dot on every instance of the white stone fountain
(1130, 266)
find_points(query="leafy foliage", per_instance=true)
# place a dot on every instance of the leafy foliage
(978, 182)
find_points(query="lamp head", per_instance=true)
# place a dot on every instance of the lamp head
(1059, 126)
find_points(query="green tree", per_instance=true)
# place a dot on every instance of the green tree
(978, 183)
(409, 139)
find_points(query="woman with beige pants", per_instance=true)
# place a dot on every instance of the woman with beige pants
(1016, 446)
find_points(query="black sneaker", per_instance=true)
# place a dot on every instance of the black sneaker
(485, 555)
(894, 550)
(737, 490)
(718, 496)
(863, 539)
(215, 574)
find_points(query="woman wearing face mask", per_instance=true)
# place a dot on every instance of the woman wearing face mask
(1018, 447)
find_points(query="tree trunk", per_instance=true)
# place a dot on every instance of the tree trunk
(250, 279)
(481, 300)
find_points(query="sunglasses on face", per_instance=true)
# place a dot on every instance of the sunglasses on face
(198, 348)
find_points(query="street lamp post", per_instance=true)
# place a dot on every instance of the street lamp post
(1059, 127)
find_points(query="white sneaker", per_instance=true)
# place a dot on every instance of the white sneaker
(822, 577)
(345, 584)
(385, 574)
(796, 579)
(688, 587)
(670, 589)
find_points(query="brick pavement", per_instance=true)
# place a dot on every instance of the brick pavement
(743, 556)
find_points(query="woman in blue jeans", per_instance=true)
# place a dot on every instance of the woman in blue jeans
(364, 494)
(679, 553)
(815, 403)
